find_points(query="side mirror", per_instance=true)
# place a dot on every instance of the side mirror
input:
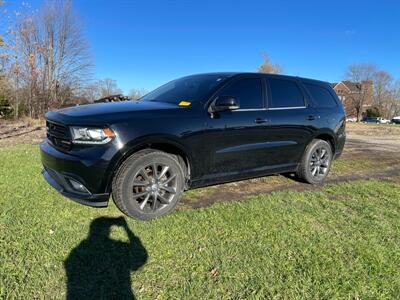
(223, 103)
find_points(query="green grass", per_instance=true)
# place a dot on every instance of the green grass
(341, 241)
(363, 164)
(349, 166)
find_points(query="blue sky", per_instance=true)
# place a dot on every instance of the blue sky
(143, 44)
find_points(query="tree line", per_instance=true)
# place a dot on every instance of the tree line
(46, 62)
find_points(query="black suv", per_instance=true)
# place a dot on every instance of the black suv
(192, 132)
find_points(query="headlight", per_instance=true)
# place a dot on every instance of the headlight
(84, 135)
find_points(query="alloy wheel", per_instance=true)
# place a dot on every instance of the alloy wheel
(154, 186)
(320, 162)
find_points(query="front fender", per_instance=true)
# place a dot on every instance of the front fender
(140, 143)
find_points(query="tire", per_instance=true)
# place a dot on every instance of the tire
(141, 195)
(316, 162)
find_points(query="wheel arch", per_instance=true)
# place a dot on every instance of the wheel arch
(164, 144)
(328, 137)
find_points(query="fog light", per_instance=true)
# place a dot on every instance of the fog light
(78, 186)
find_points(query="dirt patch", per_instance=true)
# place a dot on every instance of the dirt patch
(21, 132)
(228, 193)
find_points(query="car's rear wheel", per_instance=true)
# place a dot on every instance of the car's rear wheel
(148, 184)
(316, 162)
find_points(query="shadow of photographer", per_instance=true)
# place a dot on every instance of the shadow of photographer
(100, 267)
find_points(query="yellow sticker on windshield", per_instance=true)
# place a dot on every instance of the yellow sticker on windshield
(184, 103)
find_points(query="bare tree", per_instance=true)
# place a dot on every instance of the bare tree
(392, 103)
(361, 73)
(382, 83)
(49, 57)
(383, 91)
(2, 14)
(396, 99)
(137, 93)
(10, 69)
(25, 67)
(66, 58)
(100, 89)
(269, 67)
(108, 87)
(4, 84)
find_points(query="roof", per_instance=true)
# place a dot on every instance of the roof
(351, 85)
(231, 74)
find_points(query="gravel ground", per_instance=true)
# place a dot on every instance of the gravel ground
(374, 138)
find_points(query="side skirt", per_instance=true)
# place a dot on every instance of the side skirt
(219, 178)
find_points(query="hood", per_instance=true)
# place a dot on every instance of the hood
(105, 112)
(113, 108)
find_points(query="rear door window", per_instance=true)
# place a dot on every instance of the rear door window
(248, 91)
(321, 96)
(284, 94)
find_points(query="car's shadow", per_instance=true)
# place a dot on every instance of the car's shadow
(100, 267)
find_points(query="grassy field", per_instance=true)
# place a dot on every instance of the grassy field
(339, 241)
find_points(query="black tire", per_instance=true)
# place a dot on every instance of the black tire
(316, 162)
(141, 195)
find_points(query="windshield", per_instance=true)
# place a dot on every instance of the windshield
(191, 88)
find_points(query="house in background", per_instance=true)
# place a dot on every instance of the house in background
(354, 95)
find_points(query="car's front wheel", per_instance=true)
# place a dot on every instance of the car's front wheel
(316, 162)
(148, 184)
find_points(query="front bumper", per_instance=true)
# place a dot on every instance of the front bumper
(88, 170)
(94, 200)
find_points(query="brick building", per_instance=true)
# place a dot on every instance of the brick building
(351, 93)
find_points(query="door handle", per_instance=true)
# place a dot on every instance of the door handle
(260, 121)
(312, 117)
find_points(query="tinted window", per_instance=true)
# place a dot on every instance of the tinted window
(190, 88)
(320, 95)
(247, 91)
(285, 93)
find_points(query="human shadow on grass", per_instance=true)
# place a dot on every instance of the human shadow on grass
(100, 267)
